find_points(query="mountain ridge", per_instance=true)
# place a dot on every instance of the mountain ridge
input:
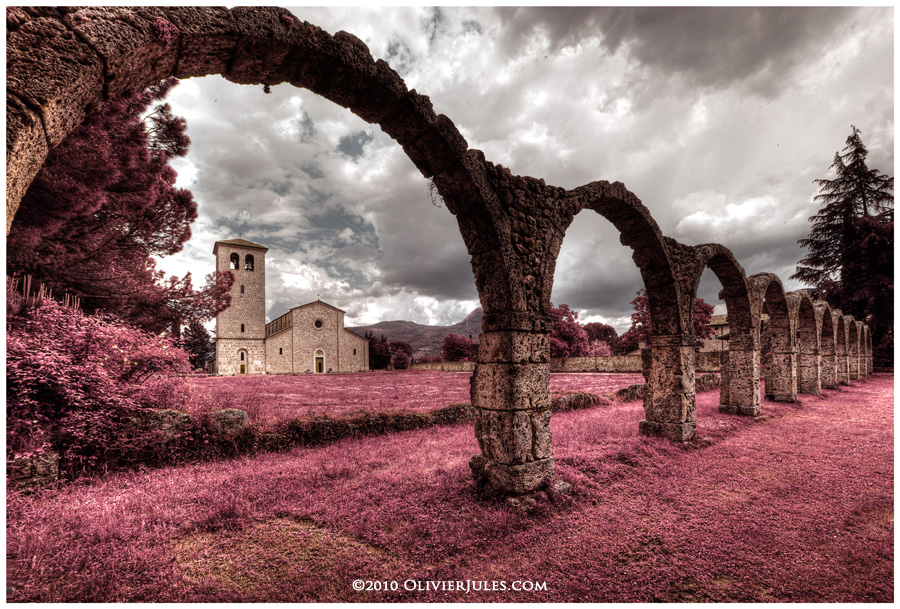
(425, 340)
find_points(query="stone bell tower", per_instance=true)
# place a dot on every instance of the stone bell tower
(241, 328)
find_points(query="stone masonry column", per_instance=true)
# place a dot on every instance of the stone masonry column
(870, 358)
(740, 379)
(782, 376)
(669, 401)
(853, 360)
(511, 398)
(829, 366)
(809, 370)
(843, 368)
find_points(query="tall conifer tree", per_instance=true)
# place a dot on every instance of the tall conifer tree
(850, 246)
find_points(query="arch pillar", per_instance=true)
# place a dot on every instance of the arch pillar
(740, 378)
(781, 375)
(510, 391)
(852, 349)
(829, 368)
(669, 401)
(809, 370)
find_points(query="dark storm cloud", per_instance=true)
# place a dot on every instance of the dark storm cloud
(711, 45)
(353, 145)
(717, 119)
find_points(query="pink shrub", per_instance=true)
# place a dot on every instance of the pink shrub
(78, 378)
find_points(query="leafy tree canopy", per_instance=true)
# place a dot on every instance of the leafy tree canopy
(103, 205)
(455, 348)
(567, 337)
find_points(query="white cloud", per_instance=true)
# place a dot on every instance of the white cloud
(719, 135)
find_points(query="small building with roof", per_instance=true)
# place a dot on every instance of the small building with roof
(309, 338)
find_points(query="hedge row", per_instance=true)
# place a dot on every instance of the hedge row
(165, 437)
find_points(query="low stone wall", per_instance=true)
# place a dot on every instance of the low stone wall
(707, 361)
(610, 363)
(445, 366)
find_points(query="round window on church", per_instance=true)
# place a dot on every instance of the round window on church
(318, 324)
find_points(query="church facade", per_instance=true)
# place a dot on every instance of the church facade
(310, 338)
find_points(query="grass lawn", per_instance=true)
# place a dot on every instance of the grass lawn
(270, 398)
(795, 507)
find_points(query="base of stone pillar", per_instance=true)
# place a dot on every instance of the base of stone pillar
(511, 479)
(556, 493)
(744, 411)
(782, 398)
(679, 432)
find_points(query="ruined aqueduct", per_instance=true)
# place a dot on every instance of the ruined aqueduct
(65, 63)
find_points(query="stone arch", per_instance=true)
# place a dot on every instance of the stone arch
(779, 357)
(65, 63)
(669, 403)
(853, 359)
(827, 345)
(739, 392)
(808, 339)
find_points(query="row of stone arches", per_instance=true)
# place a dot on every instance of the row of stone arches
(63, 63)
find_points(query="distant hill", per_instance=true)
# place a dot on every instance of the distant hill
(425, 340)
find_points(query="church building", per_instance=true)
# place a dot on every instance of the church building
(310, 338)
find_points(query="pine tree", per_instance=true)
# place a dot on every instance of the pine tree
(850, 246)
(856, 192)
(103, 205)
(199, 345)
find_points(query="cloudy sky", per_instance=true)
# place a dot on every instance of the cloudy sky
(718, 119)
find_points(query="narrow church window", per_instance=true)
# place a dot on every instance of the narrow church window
(242, 356)
(242, 327)
(248, 262)
(242, 289)
(235, 262)
(354, 352)
(280, 350)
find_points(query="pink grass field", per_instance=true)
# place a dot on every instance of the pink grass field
(271, 398)
(797, 506)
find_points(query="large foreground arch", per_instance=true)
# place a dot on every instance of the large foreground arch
(64, 63)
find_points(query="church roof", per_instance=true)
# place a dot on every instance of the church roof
(309, 304)
(240, 243)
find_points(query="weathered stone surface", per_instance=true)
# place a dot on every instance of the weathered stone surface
(514, 347)
(740, 392)
(228, 422)
(55, 74)
(208, 36)
(34, 471)
(171, 423)
(518, 479)
(513, 437)
(139, 46)
(26, 149)
(511, 386)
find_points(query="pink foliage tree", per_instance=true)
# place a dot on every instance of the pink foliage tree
(104, 205)
(74, 380)
(567, 337)
(455, 348)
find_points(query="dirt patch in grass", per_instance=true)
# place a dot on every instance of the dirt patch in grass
(280, 559)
